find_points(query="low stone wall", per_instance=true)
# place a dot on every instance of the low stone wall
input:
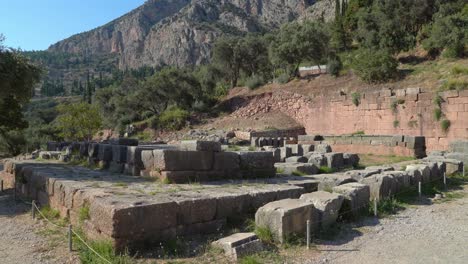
(414, 146)
(284, 133)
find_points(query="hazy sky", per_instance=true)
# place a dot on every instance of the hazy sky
(36, 24)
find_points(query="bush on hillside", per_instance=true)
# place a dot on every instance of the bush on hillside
(173, 118)
(334, 66)
(254, 82)
(375, 66)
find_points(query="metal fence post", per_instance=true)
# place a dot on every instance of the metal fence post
(445, 181)
(375, 207)
(1, 185)
(70, 241)
(419, 189)
(308, 234)
(33, 209)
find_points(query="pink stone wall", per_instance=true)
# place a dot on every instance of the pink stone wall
(374, 115)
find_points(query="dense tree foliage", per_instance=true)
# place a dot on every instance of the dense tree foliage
(17, 79)
(78, 121)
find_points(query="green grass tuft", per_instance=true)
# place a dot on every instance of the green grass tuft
(325, 169)
(84, 213)
(356, 98)
(445, 125)
(437, 114)
(396, 123)
(298, 173)
(264, 234)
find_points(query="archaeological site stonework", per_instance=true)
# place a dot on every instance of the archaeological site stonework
(388, 112)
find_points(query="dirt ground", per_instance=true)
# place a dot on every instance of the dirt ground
(436, 233)
(23, 240)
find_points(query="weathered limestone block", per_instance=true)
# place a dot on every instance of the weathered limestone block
(334, 160)
(119, 153)
(308, 147)
(328, 181)
(116, 167)
(104, 152)
(296, 149)
(124, 141)
(356, 198)
(323, 148)
(318, 159)
(239, 244)
(84, 149)
(350, 160)
(424, 172)
(257, 164)
(327, 204)
(361, 174)
(286, 152)
(176, 160)
(296, 168)
(297, 159)
(455, 162)
(197, 145)
(93, 150)
(285, 217)
(381, 186)
(196, 209)
(226, 161)
(402, 179)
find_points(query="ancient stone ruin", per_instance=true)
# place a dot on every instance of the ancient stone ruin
(141, 195)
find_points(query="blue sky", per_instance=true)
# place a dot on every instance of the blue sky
(36, 24)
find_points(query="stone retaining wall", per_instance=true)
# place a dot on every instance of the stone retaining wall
(388, 112)
(284, 133)
(414, 146)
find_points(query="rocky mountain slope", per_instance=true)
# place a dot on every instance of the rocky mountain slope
(181, 32)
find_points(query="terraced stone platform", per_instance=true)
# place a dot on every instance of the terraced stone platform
(135, 212)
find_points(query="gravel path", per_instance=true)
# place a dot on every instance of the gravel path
(436, 233)
(25, 241)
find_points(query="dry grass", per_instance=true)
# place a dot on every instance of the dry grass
(376, 160)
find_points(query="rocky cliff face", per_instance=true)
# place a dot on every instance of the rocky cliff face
(180, 32)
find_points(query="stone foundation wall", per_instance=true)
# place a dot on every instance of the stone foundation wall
(389, 112)
(414, 146)
(285, 133)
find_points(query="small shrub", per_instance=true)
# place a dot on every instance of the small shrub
(298, 173)
(264, 234)
(282, 79)
(279, 170)
(394, 104)
(325, 169)
(413, 123)
(360, 132)
(234, 148)
(375, 66)
(84, 213)
(334, 66)
(356, 98)
(437, 114)
(173, 118)
(396, 123)
(459, 70)
(250, 260)
(49, 213)
(445, 125)
(254, 82)
(454, 84)
(438, 100)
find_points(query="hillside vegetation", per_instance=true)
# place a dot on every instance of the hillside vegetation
(370, 44)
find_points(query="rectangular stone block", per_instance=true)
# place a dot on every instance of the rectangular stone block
(197, 145)
(105, 152)
(124, 141)
(177, 160)
(356, 198)
(230, 243)
(285, 217)
(328, 206)
(296, 168)
(335, 160)
(119, 153)
(226, 161)
(381, 186)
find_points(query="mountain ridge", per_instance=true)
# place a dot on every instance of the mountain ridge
(180, 32)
